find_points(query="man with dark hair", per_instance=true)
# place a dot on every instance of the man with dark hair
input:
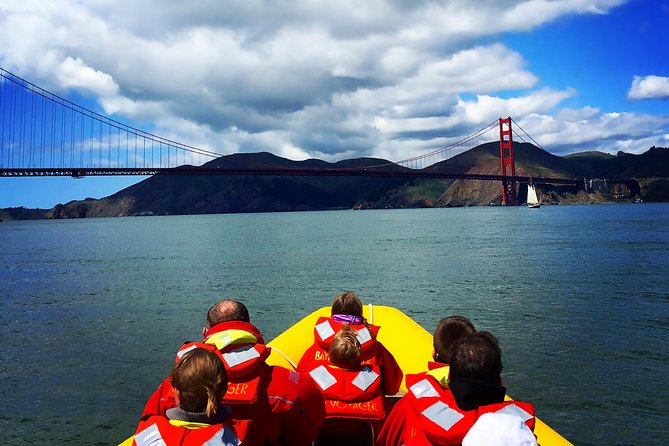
(449, 330)
(270, 404)
(440, 411)
(476, 369)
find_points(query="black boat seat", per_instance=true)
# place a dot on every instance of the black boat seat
(345, 431)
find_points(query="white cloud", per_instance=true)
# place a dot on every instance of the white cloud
(73, 73)
(591, 129)
(306, 79)
(649, 87)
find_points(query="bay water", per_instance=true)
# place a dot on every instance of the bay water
(92, 311)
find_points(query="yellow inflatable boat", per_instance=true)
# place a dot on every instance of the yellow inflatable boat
(410, 343)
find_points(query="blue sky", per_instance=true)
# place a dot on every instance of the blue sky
(336, 80)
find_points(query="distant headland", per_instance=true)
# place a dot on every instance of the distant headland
(646, 179)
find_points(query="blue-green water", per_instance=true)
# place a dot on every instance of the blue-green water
(93, 310)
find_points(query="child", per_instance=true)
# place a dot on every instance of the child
(347, 310)
(350, 389)
(200, 381)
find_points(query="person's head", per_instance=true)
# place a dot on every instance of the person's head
(227, 310)
(449, 330)
(345, 350)
(347, 303)
(200, 381)
(476, 356)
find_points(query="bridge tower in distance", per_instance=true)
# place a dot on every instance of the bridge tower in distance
(507, 162)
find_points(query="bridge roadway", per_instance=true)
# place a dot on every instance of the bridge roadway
(399, 172)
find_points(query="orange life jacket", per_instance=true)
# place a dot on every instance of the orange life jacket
(244, 354)
(242, 362)
(440, 418)
(350, 394)
(326, 329)
(159, 430)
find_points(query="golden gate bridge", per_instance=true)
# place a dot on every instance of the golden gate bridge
(43, 134)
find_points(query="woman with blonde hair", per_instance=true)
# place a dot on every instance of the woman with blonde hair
(200, 381)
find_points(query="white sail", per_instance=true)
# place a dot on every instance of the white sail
(532, 199)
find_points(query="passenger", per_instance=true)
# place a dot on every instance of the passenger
(200, 381)
(431, 413)
(448, 330)
(270, 404)
(401, 418)
(347, 309)
(350, 389)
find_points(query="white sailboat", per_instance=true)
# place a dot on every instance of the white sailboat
(532, 200)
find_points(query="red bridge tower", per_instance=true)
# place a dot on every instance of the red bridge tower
(507, 163)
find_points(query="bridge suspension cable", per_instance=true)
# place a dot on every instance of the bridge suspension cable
(526, 134)
(42, 133)
(39, 129)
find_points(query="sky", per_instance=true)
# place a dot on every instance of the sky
(338, 80)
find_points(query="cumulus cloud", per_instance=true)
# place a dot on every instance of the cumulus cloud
(591, 129)
(649, 87)
(304, 79)
(73, 73)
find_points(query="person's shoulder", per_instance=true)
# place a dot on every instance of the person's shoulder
(290, 380)
(287, 375)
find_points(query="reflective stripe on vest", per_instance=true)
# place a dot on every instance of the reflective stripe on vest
(322, 377)
(324, 330)
(181, 353)
(442, 415)
(512, 409)
(365, 378)
(423, 389)
(240, 355)
(150, 437)
(363, 335)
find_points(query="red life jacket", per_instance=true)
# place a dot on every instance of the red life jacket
(350, 394)
(261, 396)
(244, 353)
(242, 362)
(249, 377)
(440, 418)
(158, 430)
(326, 328)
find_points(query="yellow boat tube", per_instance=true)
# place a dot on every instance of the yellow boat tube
(410, 344)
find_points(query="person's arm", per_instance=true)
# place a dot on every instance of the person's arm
(392, 432)
(391, 372)
(307, 359)
(298, 404)
(161, 400)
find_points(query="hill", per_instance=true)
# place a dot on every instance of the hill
(208, 194)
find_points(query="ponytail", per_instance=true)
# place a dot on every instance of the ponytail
(345, 349)
(201, 380)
